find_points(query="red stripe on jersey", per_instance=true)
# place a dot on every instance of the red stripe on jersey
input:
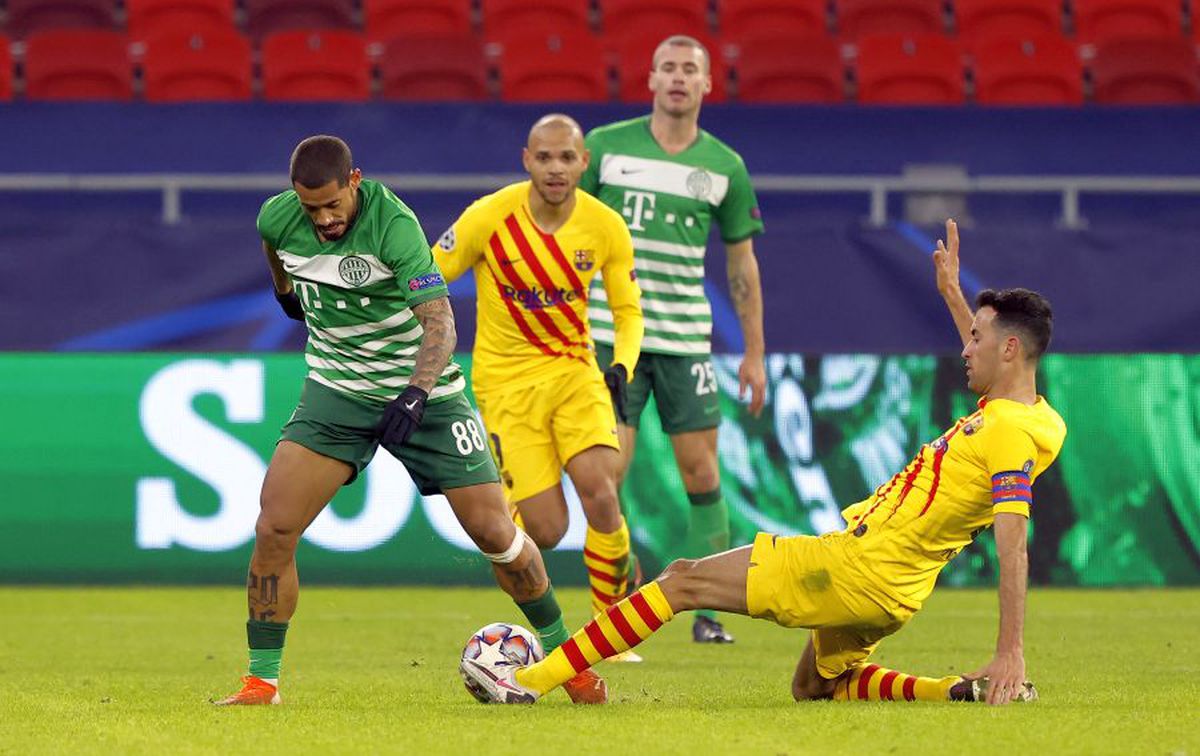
(574, 655)
(623, 627)
(505, 265)
(557, 253)
(605, 599)
(589, 554)
(530, 336)
(910, 689)
(864, 680)
(880, 497)
(885, 686)
(643, 608)
(596, 636)
(535, 265)
(937, 462)
(603, 576)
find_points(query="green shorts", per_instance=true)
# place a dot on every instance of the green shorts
(684, 388)
(448, 450)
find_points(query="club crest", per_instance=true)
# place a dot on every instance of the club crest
(585, 259)
(354, 270)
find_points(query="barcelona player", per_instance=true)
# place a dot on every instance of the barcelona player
(857, 586)
(534, 247)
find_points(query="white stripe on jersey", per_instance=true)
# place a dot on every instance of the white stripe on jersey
(326, 268)
(669, 248)
(663, 176)
(400, 318)
(458, 384)
(684, 270)
(356, 367)
(370, 350)
(699, 309)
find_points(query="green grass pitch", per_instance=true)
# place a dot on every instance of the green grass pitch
(116, 670)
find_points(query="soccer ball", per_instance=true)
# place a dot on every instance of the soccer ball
(498, 645)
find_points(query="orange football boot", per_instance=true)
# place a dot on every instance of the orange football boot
(587, 687)
(255, 692)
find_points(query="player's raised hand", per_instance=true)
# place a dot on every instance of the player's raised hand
(753, 374)
(945, 259)
(1006, 677)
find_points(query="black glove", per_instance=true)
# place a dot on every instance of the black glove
(617, 380)
(290, 303)
(402, 417)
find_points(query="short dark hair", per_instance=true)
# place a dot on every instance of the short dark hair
(683, 40)
(320, 159)
(1024, 311)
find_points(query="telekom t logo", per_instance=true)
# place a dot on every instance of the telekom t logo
(638, 207)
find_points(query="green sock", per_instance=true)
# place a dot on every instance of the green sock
(266, 647)
(546, 617)
(708, 529)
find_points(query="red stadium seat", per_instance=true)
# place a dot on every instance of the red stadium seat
(150, 18)
(857, 18)
(324, 65)
(211, 65)
(432, 67)
(78, 64)
(786, 69)
(386, 19)
(897, 69)
(1039, 71)
(1019, 19)
(504, 18)
(28, 16)
(1145, 71)
(1098, 21)
(547, 68)
(620, 17)
(634, 55)
(742, 19)
(6, 69)
(265, 17)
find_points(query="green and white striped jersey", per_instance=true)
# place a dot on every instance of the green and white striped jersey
(358, 291)
(669, 202)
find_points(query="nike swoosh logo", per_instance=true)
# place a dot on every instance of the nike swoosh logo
(710, 410)
(627, 171)
(473, 467)
(410, 405)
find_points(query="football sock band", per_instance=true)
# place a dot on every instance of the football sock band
(708, 530)
(871, 682)
(546, 617)
(620, 628)
(265, 640)
(606, 557)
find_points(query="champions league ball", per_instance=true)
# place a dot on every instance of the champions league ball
(497, 646)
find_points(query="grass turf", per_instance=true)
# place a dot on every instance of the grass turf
(120, 670)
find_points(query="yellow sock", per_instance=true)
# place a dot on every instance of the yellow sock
(606, 556)
(620, 628)
(871, 682)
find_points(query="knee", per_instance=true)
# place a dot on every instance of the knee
(273, 535)
(546, 532)
(680, 585)
(700, 475)
(492, 531)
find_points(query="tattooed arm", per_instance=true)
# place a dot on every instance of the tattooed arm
(746, 290)
(437, 343)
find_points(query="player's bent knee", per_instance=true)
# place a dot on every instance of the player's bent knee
(546, 532)
(270, 535)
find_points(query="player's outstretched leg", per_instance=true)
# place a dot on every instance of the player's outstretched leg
(521, 573)
(298, 484)
(717, 582)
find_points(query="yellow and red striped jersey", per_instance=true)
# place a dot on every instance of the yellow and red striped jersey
(919, 520)
(532, 287)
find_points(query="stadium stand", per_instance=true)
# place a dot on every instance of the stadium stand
(78, 64)
(6, 69)
(979, 20)
(210, 65)
(633, 54)
(434, 67)
(149, 18)
(329, 64)
(387, 19)
(264, 17)
(568, 66)
(504, 18)
(1098, 21)
(900, 69)
(787, 69)
(743, 19)
(27, 16)
(678, 16)
(1044, 70)
(858, 18)
(1144, 71)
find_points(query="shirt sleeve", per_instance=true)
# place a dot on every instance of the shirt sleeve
(624, 296)
(590, 182)
(1011, 463)
(406, 252)
(461, 246)
(738, 214)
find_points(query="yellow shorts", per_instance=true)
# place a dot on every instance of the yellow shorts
(807, 581)
(534, 431)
